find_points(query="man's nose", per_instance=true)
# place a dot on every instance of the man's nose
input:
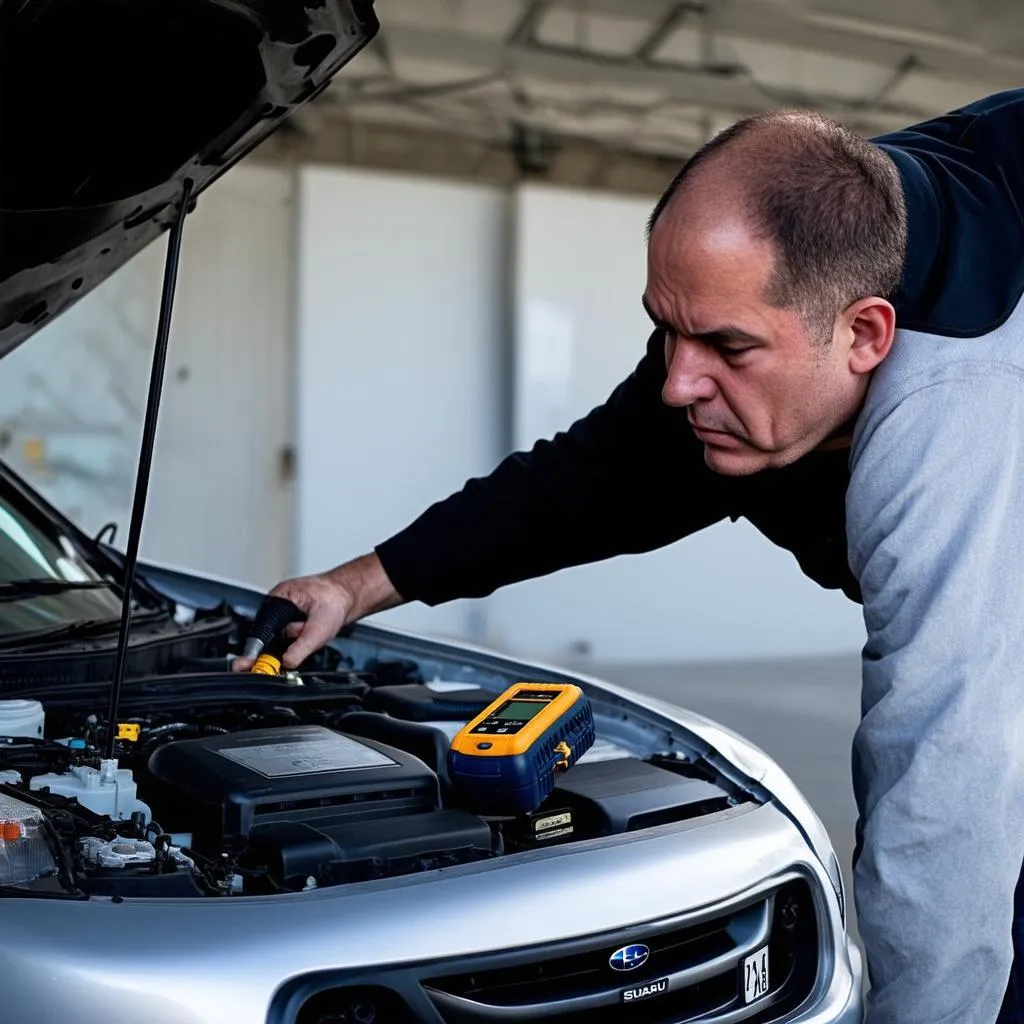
(689, 377)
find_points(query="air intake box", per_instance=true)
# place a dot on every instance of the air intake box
(223, 786)
(610, 797)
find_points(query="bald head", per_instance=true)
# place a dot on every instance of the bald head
(829, 203)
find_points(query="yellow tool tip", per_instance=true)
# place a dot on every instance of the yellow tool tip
(266, 665)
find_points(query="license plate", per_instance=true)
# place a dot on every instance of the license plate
(755, 975)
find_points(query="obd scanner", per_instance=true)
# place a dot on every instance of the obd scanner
(504, 762)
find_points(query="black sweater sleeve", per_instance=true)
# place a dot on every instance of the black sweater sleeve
(628, 477)
(963, 177)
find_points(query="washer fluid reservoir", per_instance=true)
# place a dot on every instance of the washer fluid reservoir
(21, 718)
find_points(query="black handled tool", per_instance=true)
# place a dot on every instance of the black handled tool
(271, 618)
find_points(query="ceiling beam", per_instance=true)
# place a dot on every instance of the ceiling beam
(726, 94)
(526, 27)
(853, 37)
(665, 25)
(413, 149)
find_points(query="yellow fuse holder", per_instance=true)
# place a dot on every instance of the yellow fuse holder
(128, 731)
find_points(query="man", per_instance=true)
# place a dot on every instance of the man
(837, 355)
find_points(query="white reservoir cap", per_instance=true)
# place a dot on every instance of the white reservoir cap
(21, 718)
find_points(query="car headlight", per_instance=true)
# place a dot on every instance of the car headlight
(25, 854)
(836, 874)
(787, 796)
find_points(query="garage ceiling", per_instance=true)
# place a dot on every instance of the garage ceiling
(658, 77)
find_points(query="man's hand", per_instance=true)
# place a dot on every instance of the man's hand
(330, 600)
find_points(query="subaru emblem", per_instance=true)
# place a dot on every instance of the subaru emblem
(629, 958)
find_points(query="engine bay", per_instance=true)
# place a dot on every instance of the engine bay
(227, 785)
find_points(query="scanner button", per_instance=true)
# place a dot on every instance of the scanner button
(484, 746)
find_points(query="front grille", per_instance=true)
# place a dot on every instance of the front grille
(562, 978)
(703, 961)
(571, 981)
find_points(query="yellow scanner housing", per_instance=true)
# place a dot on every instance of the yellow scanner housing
(505, 760)
(516, 720)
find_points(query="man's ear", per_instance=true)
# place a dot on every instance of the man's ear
(867, 328)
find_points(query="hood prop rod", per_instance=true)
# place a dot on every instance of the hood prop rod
(156, 379)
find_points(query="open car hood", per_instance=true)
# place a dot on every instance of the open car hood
(107, 109)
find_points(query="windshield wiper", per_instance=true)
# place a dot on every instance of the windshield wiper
(77, 630)
(17, 590)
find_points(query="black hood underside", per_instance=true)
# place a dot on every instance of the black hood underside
(108, 107)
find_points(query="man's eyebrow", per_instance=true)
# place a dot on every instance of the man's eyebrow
(658, 322)
(727, 332)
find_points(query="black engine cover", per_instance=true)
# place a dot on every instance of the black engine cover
(346, 853)
(225, 785)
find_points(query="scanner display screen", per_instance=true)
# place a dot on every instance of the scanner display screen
(520, 710)
(512, 716)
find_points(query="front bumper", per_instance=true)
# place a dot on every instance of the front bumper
(853, 1012)
(258, 960)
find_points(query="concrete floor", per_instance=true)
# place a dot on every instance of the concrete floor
(801, 712)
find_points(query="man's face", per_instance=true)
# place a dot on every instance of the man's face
(760, 392)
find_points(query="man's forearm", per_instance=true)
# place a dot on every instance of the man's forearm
(368, 584)
(627, 478)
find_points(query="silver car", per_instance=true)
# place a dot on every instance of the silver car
(181, 844)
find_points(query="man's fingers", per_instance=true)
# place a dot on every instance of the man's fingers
(326, 605)
(317, 630)
(303, 647)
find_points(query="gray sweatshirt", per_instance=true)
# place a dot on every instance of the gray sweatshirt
(935, 525)
(935, 507)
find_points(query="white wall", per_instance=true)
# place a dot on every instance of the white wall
(400, 350)
(579, 329)
(221, 494)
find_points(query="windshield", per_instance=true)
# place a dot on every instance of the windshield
(32, 548)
